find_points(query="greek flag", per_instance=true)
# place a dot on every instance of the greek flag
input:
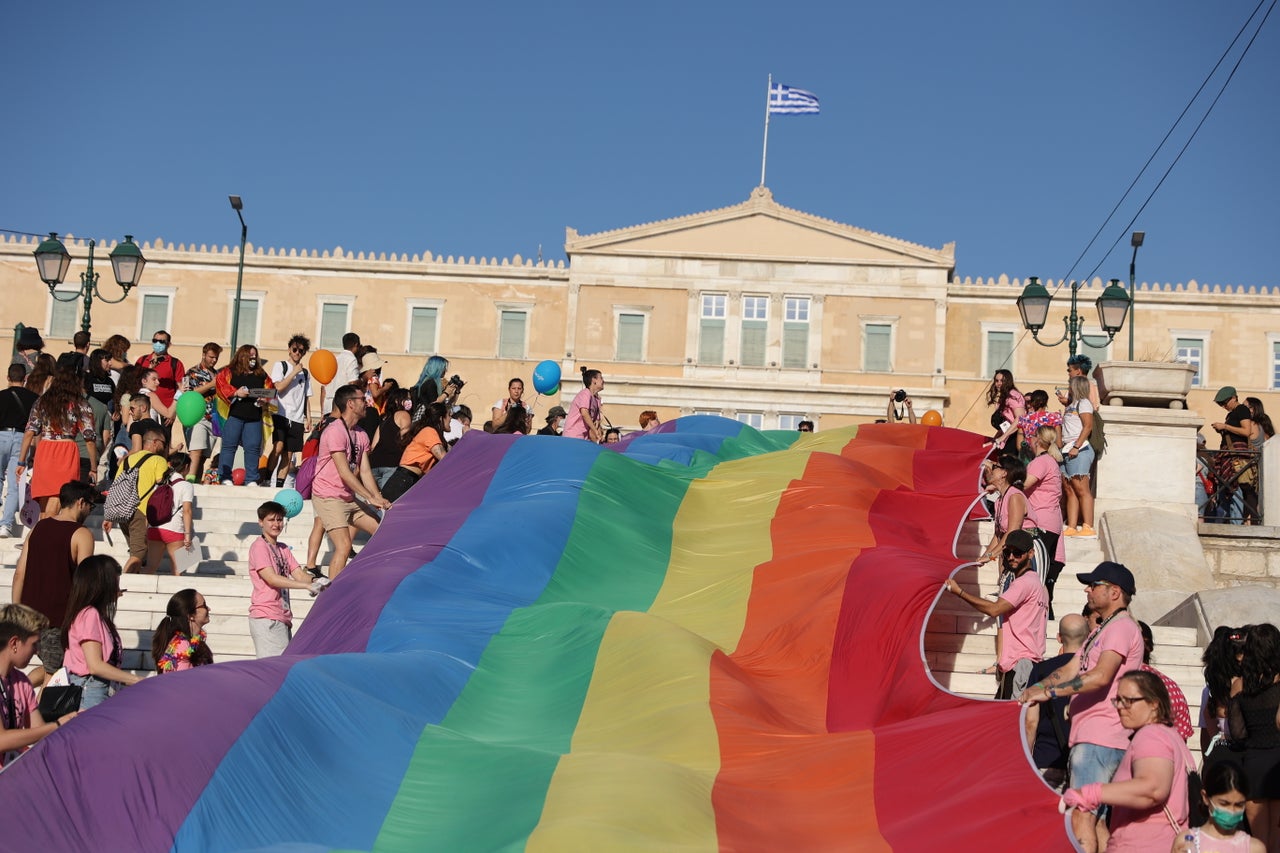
(789, 100)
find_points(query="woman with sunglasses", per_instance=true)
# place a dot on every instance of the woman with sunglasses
(179, 642)
(241, 385)
(1148, 794)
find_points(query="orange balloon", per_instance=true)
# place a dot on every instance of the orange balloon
(323, 366)
(931, 418)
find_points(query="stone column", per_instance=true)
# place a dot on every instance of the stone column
(1149, 460)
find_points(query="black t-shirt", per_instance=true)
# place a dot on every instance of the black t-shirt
(247, 408)
(15, 407)
(1046, 753)
(140, 427)
(1235, 418)
(103, 390)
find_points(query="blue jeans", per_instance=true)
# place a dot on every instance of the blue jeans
(10, 445)
(95, 692)
(248, 434)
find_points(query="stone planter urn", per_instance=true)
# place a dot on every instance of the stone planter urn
(1156, 384)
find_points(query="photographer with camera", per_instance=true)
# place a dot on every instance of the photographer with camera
(893, 415)
(431, 386)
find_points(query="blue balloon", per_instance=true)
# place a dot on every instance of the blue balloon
(546, 376)
(291, 500)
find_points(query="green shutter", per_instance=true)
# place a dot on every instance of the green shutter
(333, 325)
(511, 334)
(1096, 354)
(999, 351)
(155, 315)
(422, 330)
(795, 344)
(754, 336)
(630, 337)
(64, 318)
(711, 342)
(876, 354)
(248, 322)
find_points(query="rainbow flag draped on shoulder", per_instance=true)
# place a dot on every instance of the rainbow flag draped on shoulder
(708, 638)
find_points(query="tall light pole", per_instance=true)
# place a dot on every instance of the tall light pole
(237, 205)
(1136, 242)
(1033, 305)
(53, 261)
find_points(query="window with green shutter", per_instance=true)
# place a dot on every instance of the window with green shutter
(334, 323)
(422, 329)
(795, 332)
(999, 351)
(155, 314)
(711, 329)
(247, 333)
(64, 318)
(630, 337)
(1191, 351)
(511, 334)
(877, 344)
(755, 330)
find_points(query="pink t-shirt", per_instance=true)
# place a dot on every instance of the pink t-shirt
(1023, 630)
(1046, 496)
(1029, 519)
(337, 438)
(24, 702)
(1148, 829)
(574, 425)
(267, 602)
(1093, 719)
(88, 625)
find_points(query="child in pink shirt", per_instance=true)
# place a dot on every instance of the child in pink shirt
(274, 571)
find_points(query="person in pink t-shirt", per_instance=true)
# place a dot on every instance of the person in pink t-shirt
(20, 628)
(1149, 791)
(584, 412)
(1091, 678)
(1024, 606)
(342, 474)
(1043, 487)
(273, 571)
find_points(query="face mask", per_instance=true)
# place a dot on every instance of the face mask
(158, 347)
(1225, 819)
(253, 362)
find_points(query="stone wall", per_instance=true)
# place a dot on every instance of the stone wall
(1242, 555)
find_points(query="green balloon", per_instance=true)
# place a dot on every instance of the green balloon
(554, 391)
(190, 408)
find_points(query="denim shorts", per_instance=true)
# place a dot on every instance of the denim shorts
(1091, 763)
(1080, 465)
(96, 690)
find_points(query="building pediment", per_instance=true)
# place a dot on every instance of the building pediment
(760, 229)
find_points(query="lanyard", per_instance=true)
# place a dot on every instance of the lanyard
(1093, 638)
(11, 713)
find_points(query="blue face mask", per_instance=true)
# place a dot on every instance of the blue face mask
(158, 347)
(1225, 819)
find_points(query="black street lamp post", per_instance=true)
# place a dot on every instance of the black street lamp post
(1112, 305)
(53, 261)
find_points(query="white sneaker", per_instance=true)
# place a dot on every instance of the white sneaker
(6, 531)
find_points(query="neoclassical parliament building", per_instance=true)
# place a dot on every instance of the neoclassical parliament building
(756, 311)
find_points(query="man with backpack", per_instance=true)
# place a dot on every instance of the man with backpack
(292, 421)
(342, 473)
(126, 505)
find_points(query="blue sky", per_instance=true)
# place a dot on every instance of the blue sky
(1011, 128)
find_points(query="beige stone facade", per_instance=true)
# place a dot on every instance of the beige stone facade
(755, 311)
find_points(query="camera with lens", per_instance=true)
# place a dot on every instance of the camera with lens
(456, 381)
(899, 395)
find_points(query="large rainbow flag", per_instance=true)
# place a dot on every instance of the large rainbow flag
(710, 638)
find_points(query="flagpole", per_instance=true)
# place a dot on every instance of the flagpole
(765, 153)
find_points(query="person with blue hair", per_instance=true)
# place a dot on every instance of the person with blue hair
(431, 386)
(1080, 365)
